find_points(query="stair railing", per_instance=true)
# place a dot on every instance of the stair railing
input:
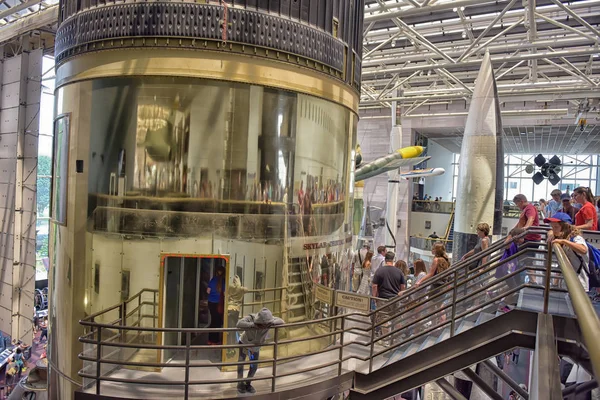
(458, 275)
(586, 314)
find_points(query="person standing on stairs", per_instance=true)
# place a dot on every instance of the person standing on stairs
(256, 328)
(387, 283)
(484, 240)
(529, 218)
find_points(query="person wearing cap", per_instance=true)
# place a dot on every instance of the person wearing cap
(566, 206)
(554, 204)
(256, 328)
(569, 238)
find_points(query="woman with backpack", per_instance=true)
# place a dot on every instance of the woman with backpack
(570, 239)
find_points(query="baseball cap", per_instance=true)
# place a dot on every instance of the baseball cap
(559, 217)
(565, 197)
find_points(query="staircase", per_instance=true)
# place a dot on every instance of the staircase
(299, 290)
(299, 284)
(445, 330)
(449, 235)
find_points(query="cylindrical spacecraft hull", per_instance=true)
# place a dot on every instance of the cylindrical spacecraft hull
(481, 165)
(182, 145)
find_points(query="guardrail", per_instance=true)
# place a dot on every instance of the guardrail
(426, 243)
(586, 314)
(439, 304)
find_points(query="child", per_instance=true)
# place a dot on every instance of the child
(11, 372)
(20, 361)
(256, 327)
(44, 327)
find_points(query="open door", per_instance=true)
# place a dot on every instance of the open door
(193, 294)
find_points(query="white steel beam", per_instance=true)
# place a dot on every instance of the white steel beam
(474, 63)
(568, 28)
(576, 17)
(420, 38)
(486, 30)
(423, 10)
(568, 71)
(380, 45)
(531, 35)
(500, 34)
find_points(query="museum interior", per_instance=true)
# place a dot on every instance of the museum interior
(300, 199)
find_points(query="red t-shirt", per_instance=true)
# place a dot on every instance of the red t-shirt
(587, 212)
(528, 212)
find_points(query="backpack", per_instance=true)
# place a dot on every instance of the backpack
(594, 255)
(594, 264)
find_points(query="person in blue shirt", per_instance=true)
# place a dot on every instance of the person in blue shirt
(216, 304)
(554, 204)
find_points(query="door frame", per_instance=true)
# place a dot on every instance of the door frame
(160, 356)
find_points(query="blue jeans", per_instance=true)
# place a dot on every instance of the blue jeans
(252, 356)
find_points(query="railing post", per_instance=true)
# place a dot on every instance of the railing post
(123, 320)
(188, 339)
(372, 339)
(341, 346)
(452, 322)
(547, 279)
(98, 357)
(154, 316)
(275, 346)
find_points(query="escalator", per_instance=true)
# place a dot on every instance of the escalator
(472, 317)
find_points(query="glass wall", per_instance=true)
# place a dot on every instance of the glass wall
(174, 145)
(44, 167)
(577, 170)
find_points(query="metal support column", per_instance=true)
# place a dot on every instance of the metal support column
(391, 208)
(490, 392)
(19, 112)
(545, 383)
(509, 381)
(449, 389)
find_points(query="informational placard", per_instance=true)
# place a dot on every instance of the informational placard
(323, 293)
(352, 300)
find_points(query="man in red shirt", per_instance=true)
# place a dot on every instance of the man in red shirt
(529, 218)
(587, 217)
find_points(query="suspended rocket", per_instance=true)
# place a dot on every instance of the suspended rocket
(404, 157)
(481, 166)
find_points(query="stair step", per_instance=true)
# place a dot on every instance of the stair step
(430, 340)
(465, 325)
(298, 318)
(412, 349)
(483, 318)
(445, 335)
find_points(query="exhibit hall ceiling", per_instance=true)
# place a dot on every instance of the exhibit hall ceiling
(425, 55)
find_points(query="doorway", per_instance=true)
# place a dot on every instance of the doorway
(186, 300)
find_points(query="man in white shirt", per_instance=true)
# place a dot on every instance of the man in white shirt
(378, 260)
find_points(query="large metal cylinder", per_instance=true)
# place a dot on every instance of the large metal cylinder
(193, 131)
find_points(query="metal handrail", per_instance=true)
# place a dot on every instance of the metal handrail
(586, 315)
(412, 313)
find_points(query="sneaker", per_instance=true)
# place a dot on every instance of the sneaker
(241, 387)
(250, 388)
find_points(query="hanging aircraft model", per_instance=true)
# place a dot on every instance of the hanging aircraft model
(404, 157)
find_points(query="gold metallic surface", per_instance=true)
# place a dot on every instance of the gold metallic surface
(209, 65)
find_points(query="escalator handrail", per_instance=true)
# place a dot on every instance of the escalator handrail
(584, 310)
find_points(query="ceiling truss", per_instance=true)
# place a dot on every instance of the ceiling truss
(420, 52)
